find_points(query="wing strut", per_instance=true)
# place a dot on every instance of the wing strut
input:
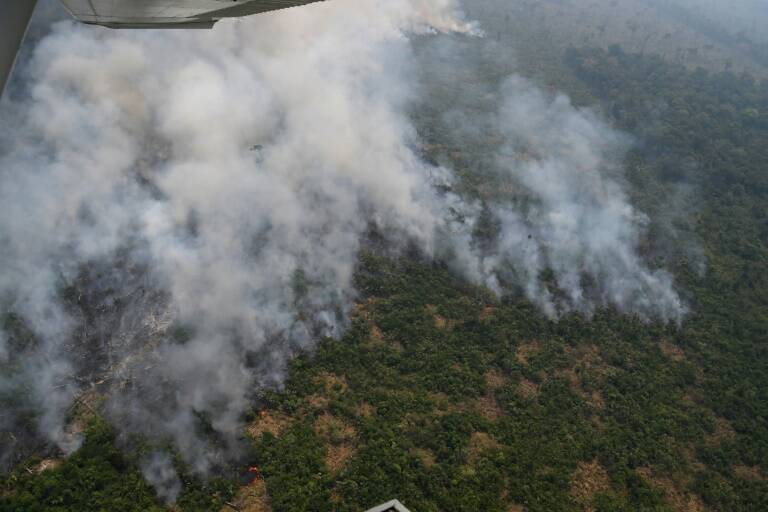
(14, 19)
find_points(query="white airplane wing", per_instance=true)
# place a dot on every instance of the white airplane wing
(169, 13)
(15, 15)
(14, 18)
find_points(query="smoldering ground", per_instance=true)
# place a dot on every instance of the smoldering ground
(182, 211)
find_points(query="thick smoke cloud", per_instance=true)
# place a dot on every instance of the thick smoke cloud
(576, 220)
(240, 167)
(204, 195)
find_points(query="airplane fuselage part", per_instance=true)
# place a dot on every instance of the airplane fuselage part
(15, 16)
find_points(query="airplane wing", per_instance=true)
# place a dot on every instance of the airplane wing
(15, 15)
(14, 18)
(170, 13)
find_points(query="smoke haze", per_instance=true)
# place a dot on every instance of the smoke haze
(202, 198)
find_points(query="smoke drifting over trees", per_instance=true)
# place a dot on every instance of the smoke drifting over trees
(133, 154)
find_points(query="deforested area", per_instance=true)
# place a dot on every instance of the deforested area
(472, 255)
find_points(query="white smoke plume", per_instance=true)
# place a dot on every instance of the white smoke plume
(231, 164)
(222, 182)
(158, 469)
(571, 215)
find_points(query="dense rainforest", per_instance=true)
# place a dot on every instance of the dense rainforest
(450, 398)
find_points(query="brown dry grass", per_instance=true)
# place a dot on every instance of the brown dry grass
(318, 402)
(364, 309)
(597, 422)
(723, 432)
(377, 337)
(596, 400)
(336, 457)
(340, 439)
(365, 410)
(678, 499)
(425, 455)
(494, 379)
(526, 351)
(751, 473)
(268, 421)
(527, 389)
(587, 356)
(689, 453)
(331, 382)
(332, 428)
(377, 340)
(488, 407)
(441, 402)
(440, 321)
(570, 375)
(672, 351)
(487, 312)
(250, 498)
(589, 480)
(480, 443)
